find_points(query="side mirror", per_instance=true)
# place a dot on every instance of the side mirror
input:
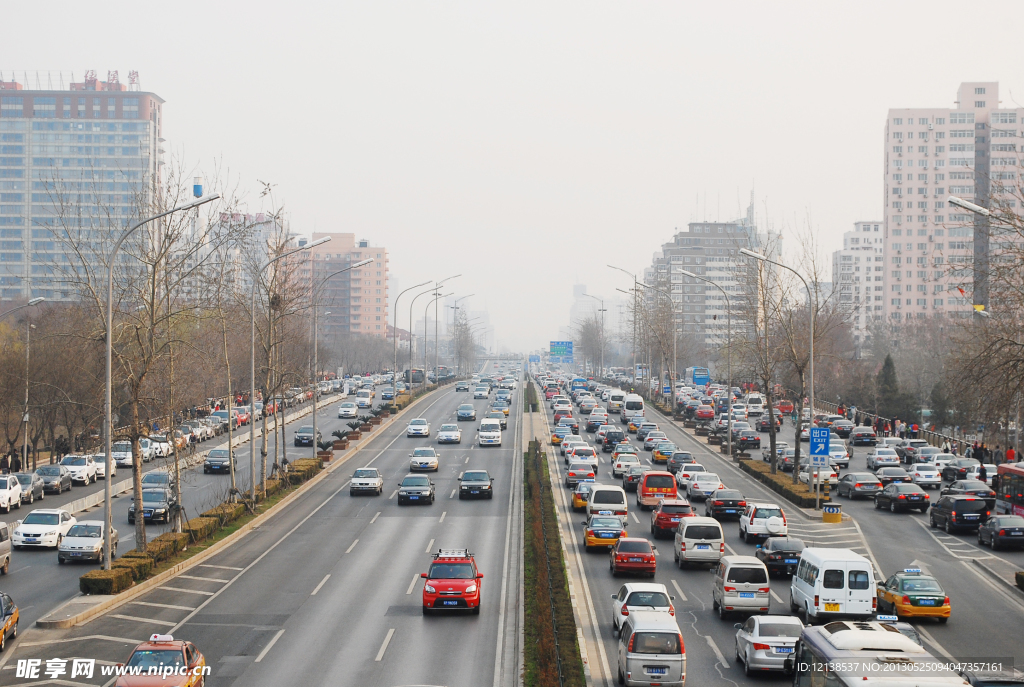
(423, 575)
(615, 596)
(479, 576)
(737, 625)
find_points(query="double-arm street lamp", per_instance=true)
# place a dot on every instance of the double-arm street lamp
(455, 314)
(28, 338)
(602, 311)
(107, 421)
(437, 377)
(728, 306)
(675, 357)
(394, 380)
(636, 291)
(252, 357)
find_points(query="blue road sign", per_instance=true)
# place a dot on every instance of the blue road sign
(561, 348)
(819, 442)
(554, 358)
(567, 359)
(534, 358)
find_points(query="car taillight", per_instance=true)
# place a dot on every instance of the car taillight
(719, 503)
(761, 647)
(622, 533)
(952, 516)
(902, 496)
(874, 603)
(729, 589)
(590, 474)
(682, 547)
(815, 600)
(905, 600)
(858, 485)
(742, 504)
(783, 518)
(672, 611)
(590, 533)
(945, 602)
(1002, 533)
(988, 513)
(721, 547)
(629, 648)
(624, 611)
(764, 590)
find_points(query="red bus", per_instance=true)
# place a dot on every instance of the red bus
(1010, 492)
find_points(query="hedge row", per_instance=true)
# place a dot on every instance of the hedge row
(781, 483)
(1019, 576)
(105, 581)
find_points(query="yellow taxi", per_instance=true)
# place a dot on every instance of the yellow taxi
(581, 494)
(913, 594)
(9, 609)
(634, 423)
(177, 663)
(558, 434)
(623, 448)
(603, 530)
(662, 452)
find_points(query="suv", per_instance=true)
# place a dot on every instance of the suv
(959, 511)
(762, 520)
(453, 582)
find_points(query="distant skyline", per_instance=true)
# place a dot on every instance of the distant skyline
(521, 144)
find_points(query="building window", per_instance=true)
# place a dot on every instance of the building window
(11, 106)
(961, 118)
(979, 103)
(898, 121)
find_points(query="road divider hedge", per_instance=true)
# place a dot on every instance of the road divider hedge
(781, 483)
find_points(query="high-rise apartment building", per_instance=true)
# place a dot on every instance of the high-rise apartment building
(857, 276)
(101, 139)
(931, 249)
(357, 299)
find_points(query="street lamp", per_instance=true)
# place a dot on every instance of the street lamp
(968, 205)
(673, 369)
(316, 360)
(24, 443)
(635, 292)
(728, 305)
(602, 311)
(252, 359)
(107, 422)
(455, 314)
(394, 380)
(437, 377)
(34, 301)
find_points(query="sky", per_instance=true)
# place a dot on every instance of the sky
(525, 144)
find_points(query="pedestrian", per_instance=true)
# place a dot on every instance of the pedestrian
(983, 473)
(982, 454)
(997, 456)
(969, 453)
(945, 446)
(1011, 455)
(16, 464)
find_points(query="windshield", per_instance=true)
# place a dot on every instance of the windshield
(48, 472)
(24, 479)
(653, 599)
(768, 513)
(451, 571)
(418, 422)
(153, 496)
(348, 405)
(423, 453)
(415, 482)
(71, 460)
(708, 477)
(920, 584)
(155, 478)
(476, 476)
(673, 510)
(779, 630)
(218, 453)
(656, 643)
(157, 658)
(365, 472)
(660, 482)
(634, 546)
(974, 484)
(449, 428)
(41, 519)
(1009, 521)
(779, 544)
(703, 532)
(308, 429)
(87, 531)
(121, 447)
(608, 496)
(611, 523)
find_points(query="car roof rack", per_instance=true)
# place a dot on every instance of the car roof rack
(453, 553)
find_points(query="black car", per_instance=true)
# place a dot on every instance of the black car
(304, 437)
(499, 416)
(1002, 531)
(612, 438)
(678, 460)
(32, 487)
(632, 477)
(56, 478)
(748, 438)
(156, 506)
(889, 475)
(724, 503)
(765, 425)
(863, 436)
(780, 554)
(902, 496)
(958, 469)
(415, 489)
(972, 487)
(956, 512)
(843, 428)
(218, 460)
(854, 484)
(462, 386)
(476, 484)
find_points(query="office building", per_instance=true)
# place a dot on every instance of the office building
(857, 275)
(356, 299)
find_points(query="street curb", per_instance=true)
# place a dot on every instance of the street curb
(1017, 592)
(147, 585)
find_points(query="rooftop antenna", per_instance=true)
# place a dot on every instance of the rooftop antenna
(133, 80)
(49, 81)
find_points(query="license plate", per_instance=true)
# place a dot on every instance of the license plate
(446, 602)
(970, 517)
(677, 520)
(703, 546)
(833, 608)
(746, 595)
(926, 602)
(76, 554)
(1016, 534)
(783, 650)
(731, 510)
(31, 539)
(413, 498)
(474, 492)
(636, 560)
(656, 671)
(659, 496)
(792, 561)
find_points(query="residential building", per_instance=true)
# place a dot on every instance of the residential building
(356, 299)
(857, 274)
(931, 248)
(100, 139)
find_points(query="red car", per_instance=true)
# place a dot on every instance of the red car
(562, 412)
(704, 413)
(453, 582)
(632, 554)
(550, 393)
(667, 514)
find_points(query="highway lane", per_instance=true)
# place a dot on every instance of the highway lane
(315, 592)
(986, 621)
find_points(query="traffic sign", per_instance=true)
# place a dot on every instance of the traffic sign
(561, 348)
(567, 359)
(554, 358)
(534, 358)
(819, 442)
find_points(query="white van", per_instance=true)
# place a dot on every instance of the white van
(489, 433)
(832, 582)
(755, 405)
(364, 398)
(698, 540)
(741, 586)
(615, 401)
(605, 497)
(651, 650)
(632, 405)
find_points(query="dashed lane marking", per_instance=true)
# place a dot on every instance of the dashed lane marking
(430, 545)
(412, 585)
(467, 459)
(635, 519)
(141, 620)
(323, 582)
(384, 646)
(375, 518)
(718, 652)
(442, 516)
(775, 596)
(219, 567)
(732, 551)
(392, 494)
(349, 549)
(452, 495)
(679, 591)
(269, 646)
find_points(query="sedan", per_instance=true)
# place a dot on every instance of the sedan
(724, 503)
(577, 472)
(82, 469)
(883, 457)
(703, 485)
(418, 427)
(747, 439)
(811, 476)
(501, 418)
(423, 459)
(366, 481)
(854, 484)
(972, 487)
(843, 428)
(780, 554)
(678, 460)
(466, 411)
(958, 469)
(631, 478)
(902, 496)
(304, 437)
(481, 392)
(863, 436)
(449, 434)
(56, 478)
(415, 489)
(84, 542)
(43, 527)
(156, 506)
(462, 386)
(219, 460)
(623, 463)
(348, 410)
(763, 424)
(764, 642)
(643, 596)
(653, 439)
(632, 554)
(926, 475)
(476, 484)
(1002, 531)
(662, 452)
(889, 475)
(32, 487)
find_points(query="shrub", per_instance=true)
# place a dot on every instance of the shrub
(105, 581)
(139, 567)
(225, 512)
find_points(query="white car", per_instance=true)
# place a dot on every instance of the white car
(481, 392)
(623, 463)
(883, 457)
(84, 542)
(423, 459)
(449, 434)
(810, 475)
(101, 466)
(10, 493)
(762, 520)
(702, 485)
(82, 469)
(639, 596)
(990, 471)
(148, 449)
(568, 443)
(765, 642)
(418, 427)
(838, 455)
(926, 475)
(348, 410)
(122, 452)
(688, 472)
(43, 527)
(366, 480)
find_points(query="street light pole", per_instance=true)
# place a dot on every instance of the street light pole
(728, 305)
(24, 444)
(394, 379)
(673, 371)
(602, 311)
(252, 360)
(433, 301)
(635, 292)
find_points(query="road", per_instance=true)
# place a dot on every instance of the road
(987, 620)
(327, 592)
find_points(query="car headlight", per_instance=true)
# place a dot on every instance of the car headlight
(428, 588)
(161, 510)
(17, 533)
(470, 589)
(403, 493)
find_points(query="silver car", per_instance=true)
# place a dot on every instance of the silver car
(84, 542)
(764, 642)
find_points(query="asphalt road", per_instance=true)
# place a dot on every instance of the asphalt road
(987, 620)
(328, 591)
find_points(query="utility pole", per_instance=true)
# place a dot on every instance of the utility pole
(24, 446)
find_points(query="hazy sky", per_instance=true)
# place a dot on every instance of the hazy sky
(527, 144)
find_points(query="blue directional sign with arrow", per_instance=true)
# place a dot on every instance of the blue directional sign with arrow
(819, 445)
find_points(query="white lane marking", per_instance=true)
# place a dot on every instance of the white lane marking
(219, 567)
(384, 646)
(775, 596)
(270, 645)
(375, 518)
(718, 652)
(452, 495)
(429, 546)
(322, 582)
(141, 620)
(931, 640)
(442, 516)
(635, 519)
(392, 494)
(187, 591)
(516, 451)
(203, 579)
(679, 591)
(172, 606)
(349, 549)
(467, 459)
(412, 584)
(732, 551)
